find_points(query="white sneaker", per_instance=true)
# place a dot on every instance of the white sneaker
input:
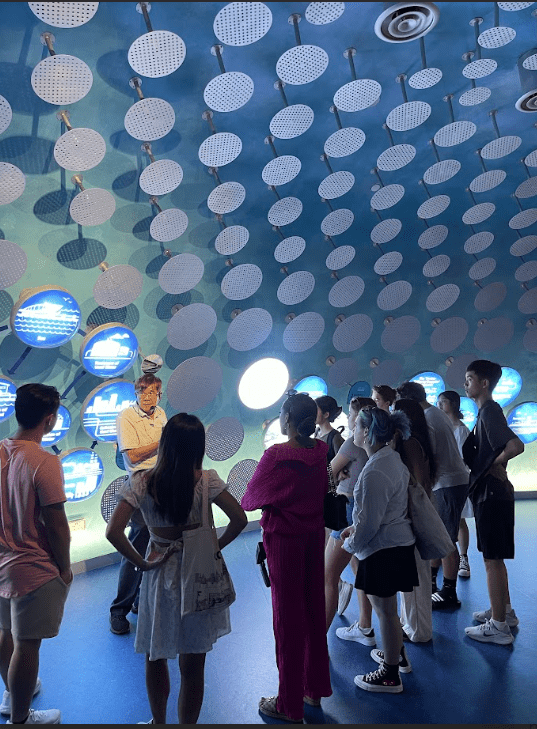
(345, 594)
(51, 716)
(483, 615)
(464, 566)
(404, 664)
(357, 634)
(5, 706)
(489, 633)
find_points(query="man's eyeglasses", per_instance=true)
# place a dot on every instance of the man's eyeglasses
(148, 393)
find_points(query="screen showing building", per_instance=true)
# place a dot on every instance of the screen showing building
(83, 473)
(63, 423)
(102, 407)
(7, 398)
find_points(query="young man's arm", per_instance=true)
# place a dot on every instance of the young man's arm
(59, 538)
(513, 448)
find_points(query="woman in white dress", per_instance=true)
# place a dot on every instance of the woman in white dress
(170, 498)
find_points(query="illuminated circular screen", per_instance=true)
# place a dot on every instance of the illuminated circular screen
(523, 421)
(46, 318)
(263, 383)
(313, 386)
(432, 383)
(359, 389)
(102, 406)
(109, 350)
(469, 412)
(508, 388)
(83, 473)
(7, 398)
(63, 423)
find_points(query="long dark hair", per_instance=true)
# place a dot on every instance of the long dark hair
(327, 404)
(419, 429)
(171, 482)
(302, 411)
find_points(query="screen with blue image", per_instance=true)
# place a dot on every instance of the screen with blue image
(83, 473)
(47, 319)
(110, 351)
(469, 412)
(359, 389)
(508, 388)
(63, 423)
(432, 383)
(8, 390)
(523, 421)
(103, 405)
(314, 386)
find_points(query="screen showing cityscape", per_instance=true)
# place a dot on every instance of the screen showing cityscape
(102, 407)
(7, 398)
(63, 423)
(83, 472)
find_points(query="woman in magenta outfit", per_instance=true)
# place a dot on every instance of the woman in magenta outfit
(289, 484)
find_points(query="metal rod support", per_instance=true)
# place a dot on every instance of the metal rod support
(476, 22)
(492, 115)
(220, 220)
(73, 383)
(279, 85)
(435, 150)
(496, 15)
(214, 171)
(375, 171)
(335, 112)
(349, 55)
(208, 116)
(278, 230)
(422, 183)
(143, 7)
(47, 38)
(218, 53)
(526, 168)
(64, 117)
(328, 203)
(329, 239)
(295, 19)
(379, 216)
(324, 158)
(146, 147)
(77, 180)
(478, 152)
(518, 203)
(271, 187)
(270, 140)
(471, 195)
(154, 201)
(422, 51)
(401, 80)
(387, 128)
(447, 99)
(136, 84)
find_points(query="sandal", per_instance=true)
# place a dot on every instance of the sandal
(267, 706)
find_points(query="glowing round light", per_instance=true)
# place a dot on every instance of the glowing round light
(7, 398)
(469, 412)
(109, 350)
(63, 423)
(523, 421)
(432, 383)
(263, 383)
(102, 406)
(508, 388)
(83, 473)
(313, 386)
(46, 317)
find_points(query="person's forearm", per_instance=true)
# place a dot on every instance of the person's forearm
(137, 455)
(59, 541)
(124, 547)
(513, 448)
(232, 531)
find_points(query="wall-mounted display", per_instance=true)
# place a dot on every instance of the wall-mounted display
(102, 406)
(432, 383)
(359, 389)
(313, 386)
(109, 350)
(63, 423)
(469, 412)
(508, 388)
(523, 421)
(7, 398)
(83, 473)
(273, 434)
(45, 317)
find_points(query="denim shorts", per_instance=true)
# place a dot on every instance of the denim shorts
(350, 506)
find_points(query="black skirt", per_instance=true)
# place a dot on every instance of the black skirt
(388, 571)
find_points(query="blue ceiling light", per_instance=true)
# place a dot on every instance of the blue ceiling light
(508, 388)
(523, 421)
(109, 350)
(432, 383)
(46, 317)
(8, 390)
(63, 424)
(102, 406)
(83, 473)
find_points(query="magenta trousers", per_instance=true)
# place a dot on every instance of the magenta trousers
(296, 568)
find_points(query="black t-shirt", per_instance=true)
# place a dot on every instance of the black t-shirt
(491, 436)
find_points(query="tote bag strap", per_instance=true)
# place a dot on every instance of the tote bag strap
(205, 521)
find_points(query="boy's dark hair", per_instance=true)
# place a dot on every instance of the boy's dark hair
(146, 381)
(411, 391)
(486, 370)
(34, 402)
(327, 404)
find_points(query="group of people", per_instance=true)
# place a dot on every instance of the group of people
(395, 436)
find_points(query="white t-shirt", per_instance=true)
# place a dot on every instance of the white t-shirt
(135, 429)
(450, 468)
(358, 459)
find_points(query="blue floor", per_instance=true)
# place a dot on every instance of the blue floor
(95, 677)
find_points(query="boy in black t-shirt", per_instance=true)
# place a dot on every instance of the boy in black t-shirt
(492, 496)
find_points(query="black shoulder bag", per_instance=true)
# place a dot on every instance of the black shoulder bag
(335, 505)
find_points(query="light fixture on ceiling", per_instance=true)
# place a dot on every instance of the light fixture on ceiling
(282, 169)
(220, 148)
(388, 195)
(528, 188)
(358, 94)
(456, 132)
(6, 114)
(481, 67)
(427, 77)
(169, 224)
(335, 184)
(117, 286)
(64, 15)
(442, 170)
(231, 239)
(396, 156)
(502, 145)
(433, 206)
(408, 115)
(291, 121)
(240, 24)
(489, 179)
(408, 21)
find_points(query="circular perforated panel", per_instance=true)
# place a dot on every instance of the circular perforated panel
(396, 157)
(92, 207)
(296, 287)
(336, 185)
(530, 340)
(386, 373)
(528, 188)
(387, 196)
(523, 246)
(240, 476)
(338, 221)
(64, 15)
(226, 198)
(231, 240)
(487, 181)
(513, 7)
(193, 384)
(168, 225)
(285, 211)
(181, 273)
(303, 332)
(386, 231)
(490, 296)
(344, 142)
(292, 121)
(441, 171)
(161, 177)
(6, 114)
(191, 326)
(223, 438)
(454, 376)
(394, 295)
(478, 213)
(526, 272)
(496, 37)
(433, 206)
(340, 257)
(436, 266)
(239, 24)
(425, 78)
(454, 133)
(530, 62)
(523, 219)
(401, 334)
(118, 286)
(220, 149)
(149, 119)
(449, 334)
(301, 64)
(408, 116)
(531, 159)
(343, 372)
(500, 147)
(479, 69)
(357, 95)
(323, 13)
(433, 237)
(527, 304)
(289, 249)
(12, 183)
(61, 79)
(352, 333)
(478, 242)
(228, 91)
(443, 297)
(157, 53)
(494, 334)
(388, 263)
(241, 282)
(79, 150)
(476, 96)
(14, 263)
(281, 170)
(346, 291)
(109, 497)
(249, 329)
(482, 268)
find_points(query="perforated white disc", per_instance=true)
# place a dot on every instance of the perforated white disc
(530, 62)
(149, 119)
(223, 438)
(396, 157)
(241, 282)
(425, 78)
(239, 24)
(12, 183)
(231, 240)
(526, 189)
(523, 219)
(487, 181)
(496, 37)
(494, 334)
(388, 263)
(386, 231)
(289, 249)
(281, 170)
(118, 286)
(344, 142)
(193, 384)
(441, 171)
(220, 149)
(324, 13)
(500, 147)
(436, 266)
(433, 207)
(478, 213)
(400, 334)
(336, 185)
(6, 114)
(239, 477)
(482, 268)
(442, 298)
(303, 332)
(285, 211)
(352, 333)
(292, 121)
(301, 64)
(357, 95)
(476, 96)
(168, 225)
(527, 304)
(408, 116)
(226, 198)
(14, 263)
(191, 326)
(478, 242)
(386, 373)
(157, 53)
(64, 15)
(523, 246)
(92, 207)
(61, 79)
(394, 295)
(513, 7)
(454, 133)
(387, 196)
(181, 273)
(337, 222)
(480, 68)
(526, 272)
(249, 329)
(343, 372)
(449, 334)
(79, 149)
(346, 291)
(491, 296)
(433, 237)
(340, 257)
(161, 177)
(228, 91)
(530, 340)
(296, 288)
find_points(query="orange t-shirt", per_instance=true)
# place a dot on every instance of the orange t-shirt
(29, 479)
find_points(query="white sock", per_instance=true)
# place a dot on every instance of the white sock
(499, 625)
